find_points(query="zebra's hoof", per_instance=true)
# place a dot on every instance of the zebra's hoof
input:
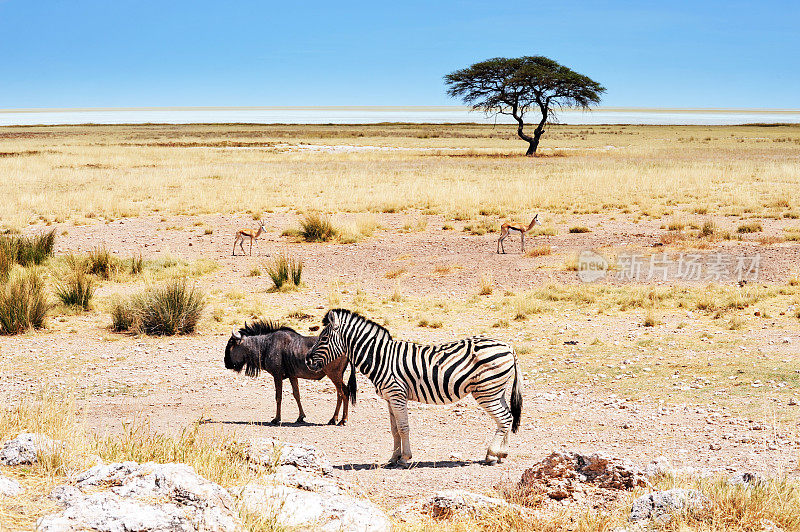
(342, 423)
(332, 421)
(276, 421)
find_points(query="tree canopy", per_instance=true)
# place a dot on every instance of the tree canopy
(517, 85)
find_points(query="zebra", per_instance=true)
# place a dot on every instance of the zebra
(434, 374)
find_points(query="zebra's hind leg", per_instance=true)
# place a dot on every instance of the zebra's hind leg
(398, 406)
(498, 409)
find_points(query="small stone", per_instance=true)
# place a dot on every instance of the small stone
(26, 447)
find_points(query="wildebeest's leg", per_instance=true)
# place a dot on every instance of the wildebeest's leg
(339, 398)
(345, 401)
(278, 396)
(296, 393)
(399, 408)
(497, 407)
(335, 372)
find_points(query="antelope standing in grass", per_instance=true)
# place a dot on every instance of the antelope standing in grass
(506, 228)
(241, 234)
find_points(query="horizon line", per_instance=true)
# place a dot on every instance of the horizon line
(409, 108)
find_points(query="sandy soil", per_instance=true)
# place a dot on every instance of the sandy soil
(175, 381)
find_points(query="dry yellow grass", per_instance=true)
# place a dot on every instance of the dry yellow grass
(63, 172)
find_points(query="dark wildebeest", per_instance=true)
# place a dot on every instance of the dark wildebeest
(281, 351)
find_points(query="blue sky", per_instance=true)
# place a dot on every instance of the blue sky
(125, 53)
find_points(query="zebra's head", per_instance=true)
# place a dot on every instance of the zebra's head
(329, 346)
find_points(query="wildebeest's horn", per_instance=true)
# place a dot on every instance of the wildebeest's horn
(236, 334)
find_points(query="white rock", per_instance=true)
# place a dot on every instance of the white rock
(659, 466)
(25, 448)
(10, 487)
(298, 508)
(266, 451)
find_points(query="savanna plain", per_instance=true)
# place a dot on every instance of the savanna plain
(701, 367)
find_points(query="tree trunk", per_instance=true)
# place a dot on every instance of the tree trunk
(537, 134)
(532, 142)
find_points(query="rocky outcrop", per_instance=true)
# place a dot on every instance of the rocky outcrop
(660, 505)
(562, 473)
(26, 447)
(141, 497)
(10, 487)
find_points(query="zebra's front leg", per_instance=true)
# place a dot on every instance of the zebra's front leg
(395, 436)
(400, 410)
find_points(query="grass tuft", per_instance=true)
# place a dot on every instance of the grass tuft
(317, 228)
(102, 263)
(76, 290)
(26, 250)
(750, 227)
(284, 270)
(23, 303)
(579, 229)
(174, 308)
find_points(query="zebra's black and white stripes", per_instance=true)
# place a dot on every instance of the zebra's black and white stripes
(434, 374)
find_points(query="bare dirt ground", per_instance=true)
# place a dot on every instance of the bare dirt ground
(632, 391)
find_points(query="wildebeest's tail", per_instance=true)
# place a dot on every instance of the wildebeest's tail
(351, 384)
(516, 397)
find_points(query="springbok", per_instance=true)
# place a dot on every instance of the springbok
(241, 234)
(506, 228)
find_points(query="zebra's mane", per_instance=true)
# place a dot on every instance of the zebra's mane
(261, 327)
(356, 317)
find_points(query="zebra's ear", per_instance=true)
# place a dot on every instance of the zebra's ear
(333, 319)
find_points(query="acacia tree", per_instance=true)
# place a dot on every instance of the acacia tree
(515, 86)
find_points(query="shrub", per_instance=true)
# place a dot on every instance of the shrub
(102, 263)
(76, 290)
(23, 304)
(579, 229)
(316, 228)
(174, 308)
(752, 227)
(283, 270)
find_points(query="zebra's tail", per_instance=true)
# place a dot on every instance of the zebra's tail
(351, 384)
(516, 397)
